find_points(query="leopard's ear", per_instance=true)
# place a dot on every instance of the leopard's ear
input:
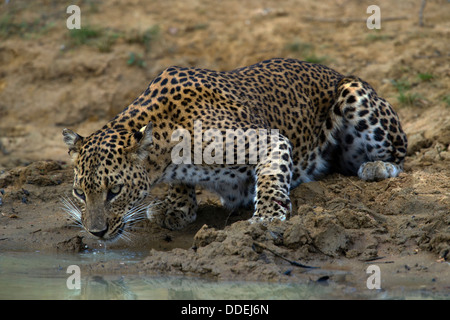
(74, 141)
(140, 142)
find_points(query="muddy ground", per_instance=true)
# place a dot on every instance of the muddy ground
(51, 78)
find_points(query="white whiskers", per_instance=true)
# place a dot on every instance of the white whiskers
(134, 215)
(72, 210)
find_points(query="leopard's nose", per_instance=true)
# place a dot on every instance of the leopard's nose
(99, 233)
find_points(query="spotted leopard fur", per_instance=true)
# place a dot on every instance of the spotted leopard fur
(327, 123)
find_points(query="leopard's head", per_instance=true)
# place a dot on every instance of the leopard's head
(111, 180)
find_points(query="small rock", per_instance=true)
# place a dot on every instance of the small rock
(416, 142)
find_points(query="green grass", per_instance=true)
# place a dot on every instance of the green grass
(372, 37)
(408, 98)
(446, 99)
(95, 36)
(304, 51)
(313, 58)
(100, 38)
(25, 29)
(296, 46)
(135, 59)
(6, 25)
(401, 85)
(405, 97)
(144, 38)
(425, 76)
(404, 87)
(104, 39)
(85, 35)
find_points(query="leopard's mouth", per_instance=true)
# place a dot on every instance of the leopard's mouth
(112, 235)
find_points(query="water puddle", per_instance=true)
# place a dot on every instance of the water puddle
(34, 275)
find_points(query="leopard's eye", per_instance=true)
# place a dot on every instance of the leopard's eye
(114, 191)
(79, 193)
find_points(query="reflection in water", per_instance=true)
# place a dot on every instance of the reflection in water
(39, 276)
(171, 288)
(96, 287)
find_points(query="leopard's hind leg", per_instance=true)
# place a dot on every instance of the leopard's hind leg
(368, 138)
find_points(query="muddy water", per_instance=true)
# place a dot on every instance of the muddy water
(34, 275)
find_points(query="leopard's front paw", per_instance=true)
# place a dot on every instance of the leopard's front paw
(275, 208)
(170, 217)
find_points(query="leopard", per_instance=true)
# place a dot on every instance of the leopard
(284, 122)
